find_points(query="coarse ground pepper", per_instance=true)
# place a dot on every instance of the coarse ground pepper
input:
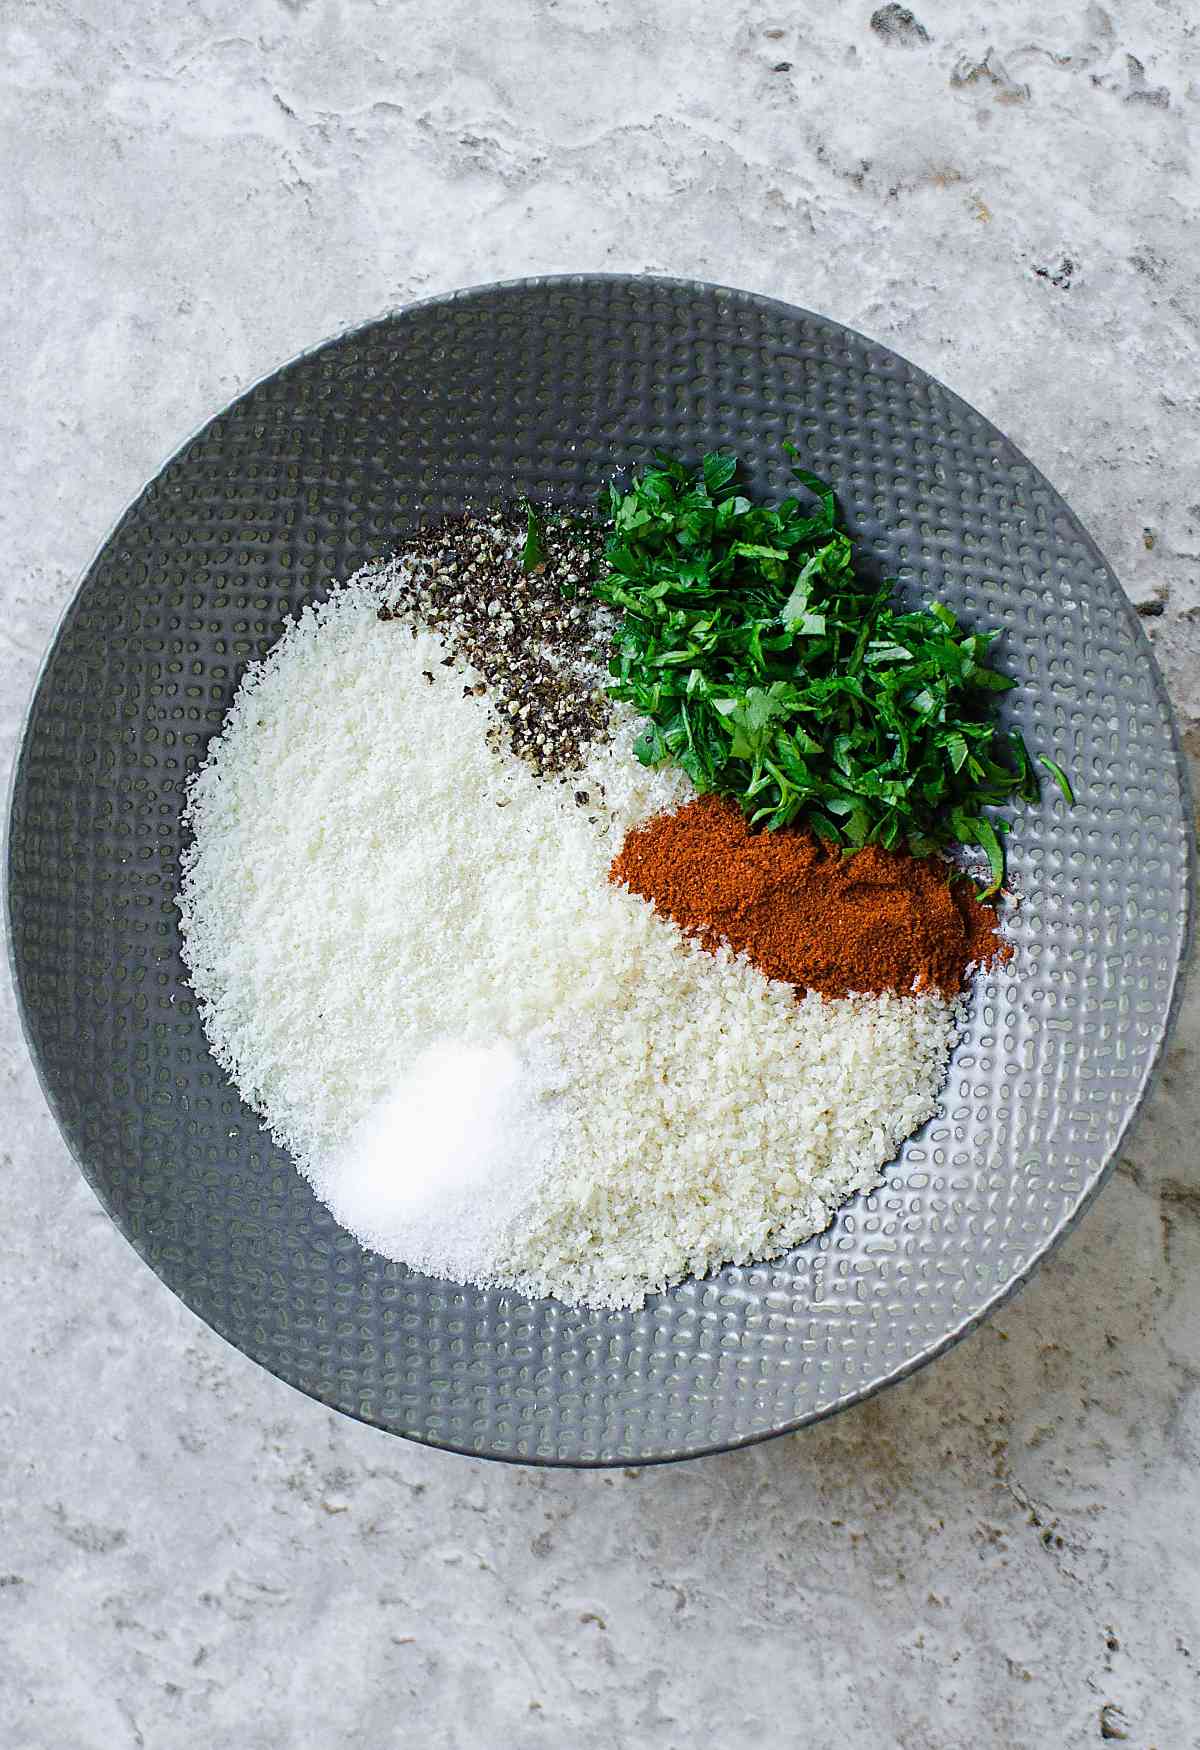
(806, 913)
(536, 638)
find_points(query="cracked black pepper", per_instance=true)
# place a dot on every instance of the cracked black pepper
(536, 637)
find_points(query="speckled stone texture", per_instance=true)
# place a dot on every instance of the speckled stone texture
(1003, 1550)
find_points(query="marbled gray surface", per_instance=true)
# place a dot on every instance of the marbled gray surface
(1004, 1550)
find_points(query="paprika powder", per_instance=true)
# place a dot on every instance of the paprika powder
(806, 913)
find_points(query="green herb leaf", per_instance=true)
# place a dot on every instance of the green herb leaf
(718, 471)
(985, 835)
(533, 553)
(1060, 778)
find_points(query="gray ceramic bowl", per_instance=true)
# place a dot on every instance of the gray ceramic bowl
(541, 387)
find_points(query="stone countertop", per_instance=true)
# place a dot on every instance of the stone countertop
(1004, 1550)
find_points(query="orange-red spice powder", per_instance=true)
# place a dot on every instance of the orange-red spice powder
(805, 913)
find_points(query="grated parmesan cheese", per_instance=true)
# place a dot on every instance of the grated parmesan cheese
(369, 876)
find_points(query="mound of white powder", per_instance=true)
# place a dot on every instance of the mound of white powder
(447, 1159)
(386, 918)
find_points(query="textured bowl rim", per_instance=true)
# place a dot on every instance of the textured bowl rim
(1049, 1243)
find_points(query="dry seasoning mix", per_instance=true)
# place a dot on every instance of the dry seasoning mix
(379, 898)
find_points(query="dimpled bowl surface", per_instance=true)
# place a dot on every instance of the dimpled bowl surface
(541, 387)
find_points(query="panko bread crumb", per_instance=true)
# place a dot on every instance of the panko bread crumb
(369, 873)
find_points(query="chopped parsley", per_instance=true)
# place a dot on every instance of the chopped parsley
(773, 673)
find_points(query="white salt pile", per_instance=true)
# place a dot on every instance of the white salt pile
(447, 1160)
(370, 879)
